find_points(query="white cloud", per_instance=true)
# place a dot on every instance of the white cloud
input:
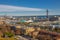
(7, 8)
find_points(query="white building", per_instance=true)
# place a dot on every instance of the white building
(29, 21)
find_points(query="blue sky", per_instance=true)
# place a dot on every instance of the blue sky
(29, 7)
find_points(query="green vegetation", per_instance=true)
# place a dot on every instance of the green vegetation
(9, 34)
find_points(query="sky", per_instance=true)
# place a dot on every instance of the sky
(29, 7)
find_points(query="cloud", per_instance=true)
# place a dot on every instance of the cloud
(7, 8)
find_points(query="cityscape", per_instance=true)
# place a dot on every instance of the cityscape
(29, 22)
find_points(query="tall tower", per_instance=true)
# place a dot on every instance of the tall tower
(47, 15)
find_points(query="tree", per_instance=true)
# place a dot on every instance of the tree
(9, 34)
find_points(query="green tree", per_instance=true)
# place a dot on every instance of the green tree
(9, 34)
